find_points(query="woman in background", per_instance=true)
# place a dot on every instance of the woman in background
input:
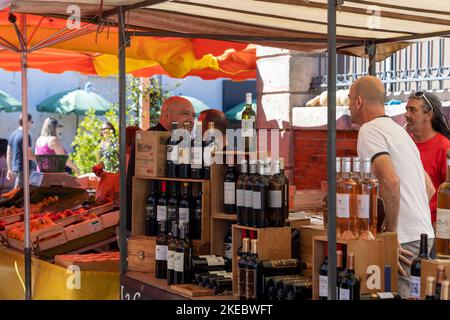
(48, 142)
(3, 165)
(109, 148)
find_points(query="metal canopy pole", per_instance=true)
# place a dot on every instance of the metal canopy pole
(371, 50)
(122, 141)
(331, 150)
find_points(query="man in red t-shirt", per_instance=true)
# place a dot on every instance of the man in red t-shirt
(430, 131)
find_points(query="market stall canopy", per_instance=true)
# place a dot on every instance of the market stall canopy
(305, 22)
(75, 101)
(92, 49)
(8, 103)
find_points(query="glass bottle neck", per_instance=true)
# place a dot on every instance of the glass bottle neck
(424, 245)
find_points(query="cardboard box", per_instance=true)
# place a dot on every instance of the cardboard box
(151, 149)
(429, 268)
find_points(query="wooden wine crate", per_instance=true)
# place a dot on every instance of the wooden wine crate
(141, 190)
(273, 243)
(369, 254)
(429, 268)
(307, 233)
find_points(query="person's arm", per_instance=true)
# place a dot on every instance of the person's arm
(429, 186)
(59, 149)
(9, 174)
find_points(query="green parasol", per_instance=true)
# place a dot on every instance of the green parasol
(8, 103)
(235, 113)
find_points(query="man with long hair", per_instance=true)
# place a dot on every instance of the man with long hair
(428, 126)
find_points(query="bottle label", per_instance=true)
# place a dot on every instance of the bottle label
(248, 127)
(207, 155)
(342, 205)
(229, 192)
(443, 223)
(414, 287)
(344, 294)
(242, 282)
(197, 158)
(161, 252)
(323, 286)
(251, 281)
(171, 212)
(170, 259)
(248, 198)
(387, 295)
(179, 261)
(150, 212)
(363, 206)
(183, 215)
(172, 153)
(240, 198)
(183, 155)
(256, 200)
(214, 261)
(228, 250)
(161, 213)
(275, 197)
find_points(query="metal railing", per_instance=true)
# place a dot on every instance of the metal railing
(422, 65)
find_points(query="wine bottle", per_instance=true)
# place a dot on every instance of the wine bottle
(260, 197)
(209, 149)
(443, 216)
(161, 252)
(340, 272)
(298, 290)
(248, 122)
(252, 288)
(323, 278)
(221, 285)
(207, 263)
(281, 286)
(172, 241)
(440, 276)
(197, 152)
(172, 203)
(241, 209)
(416, 267)
(350, 284)
(228, 243)
(367, 203)
(198, 278)
(229, 189)
(249, 193)
(182, 255)
(272, 283)
(184, 206)
(197, 218)
(276, 214)
(242, 270)
(161, 208)
(184, 153)
(445, 290)
(285, 190)
(172, 153)
(430, 289)
(346, 208)
(151, 223)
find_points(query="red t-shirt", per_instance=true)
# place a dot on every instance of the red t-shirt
(433, 155)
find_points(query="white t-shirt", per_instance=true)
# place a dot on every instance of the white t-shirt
(382, 135)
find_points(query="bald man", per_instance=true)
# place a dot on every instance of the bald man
(403, 184)
(174, 109)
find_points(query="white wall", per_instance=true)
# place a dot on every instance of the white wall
(208, 91)
(40, 87)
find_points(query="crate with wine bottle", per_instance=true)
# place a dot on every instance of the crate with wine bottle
(439, 269)
(369, 258)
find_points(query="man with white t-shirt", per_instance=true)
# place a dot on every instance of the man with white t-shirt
(404, 185)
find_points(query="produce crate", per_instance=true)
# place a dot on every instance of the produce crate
(368, 253)
(273, 243)
(110, 219)
(43, 239)
(106, 261)
(82, 229)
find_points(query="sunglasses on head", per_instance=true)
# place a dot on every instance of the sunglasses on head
(422, 95)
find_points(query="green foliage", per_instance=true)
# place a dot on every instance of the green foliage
(88, 140)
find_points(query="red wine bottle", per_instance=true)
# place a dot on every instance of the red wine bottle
(416, 267)
(161, 252)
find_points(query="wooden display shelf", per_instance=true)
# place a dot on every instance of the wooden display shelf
(273, 243)
(369, 255)
(153, 288)
(224, 216)
(174, 179)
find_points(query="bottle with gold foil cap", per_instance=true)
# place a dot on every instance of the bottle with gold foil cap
(429, 293)
(444, 290)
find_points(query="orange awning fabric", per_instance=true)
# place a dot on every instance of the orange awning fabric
(96, 53)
